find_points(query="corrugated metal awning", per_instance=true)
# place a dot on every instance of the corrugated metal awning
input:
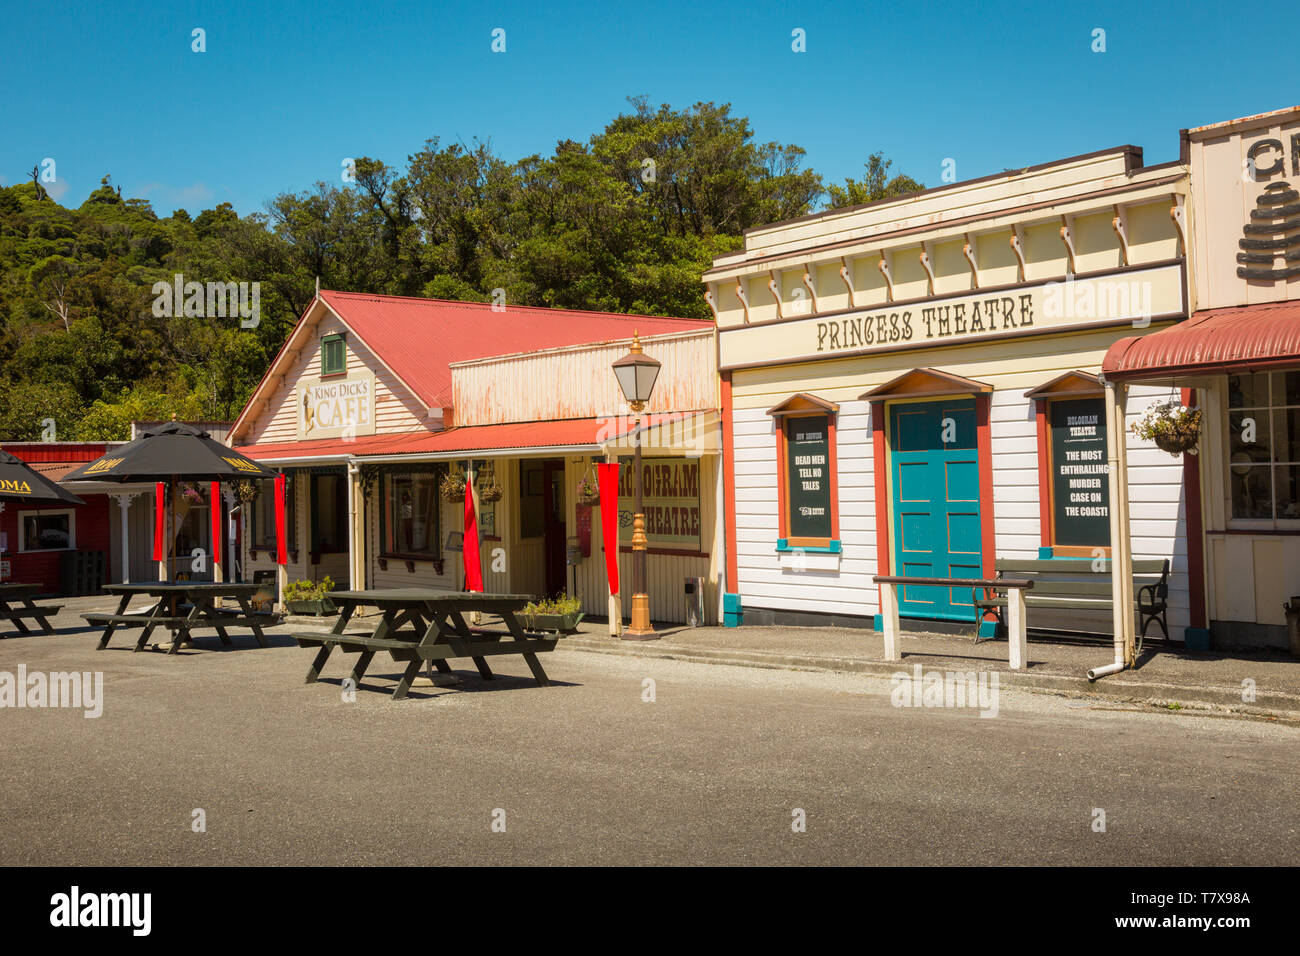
(578, 435)
(1242, 338)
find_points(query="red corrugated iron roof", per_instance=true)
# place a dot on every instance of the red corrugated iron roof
(1216, 340)
(574, 432)
(72, 452)
(54, 470)
(417, 338)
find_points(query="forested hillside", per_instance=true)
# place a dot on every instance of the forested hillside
(626, 221)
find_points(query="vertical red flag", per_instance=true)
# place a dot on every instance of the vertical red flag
(159, 519)
(281, 524)
(214, 503)
(607, 479)
(473, 568)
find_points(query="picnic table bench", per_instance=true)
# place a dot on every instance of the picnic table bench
(181, 607)
(1090, 589)
(423, 626)
(16, 604)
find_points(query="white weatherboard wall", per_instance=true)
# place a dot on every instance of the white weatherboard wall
(763, 582)
(1157, 510)
(1157, 513)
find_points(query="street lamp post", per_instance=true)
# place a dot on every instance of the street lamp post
(636, 374)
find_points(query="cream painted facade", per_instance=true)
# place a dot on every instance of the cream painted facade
(1253, 563)
(531, 394)
(983, 291)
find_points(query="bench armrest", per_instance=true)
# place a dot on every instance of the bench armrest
(1159, 594)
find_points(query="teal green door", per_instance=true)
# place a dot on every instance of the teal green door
(936, 505)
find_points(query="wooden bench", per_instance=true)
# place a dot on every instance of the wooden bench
(1151, 578)
(181, 607)
(16, 604)
(426, 627)
(39, 612)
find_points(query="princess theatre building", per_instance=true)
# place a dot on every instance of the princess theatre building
(912, 387)
(918, 387)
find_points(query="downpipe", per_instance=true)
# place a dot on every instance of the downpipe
(1106, 669)
(1114, 402)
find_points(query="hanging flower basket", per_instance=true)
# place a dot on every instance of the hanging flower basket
(246, 490)
(490, 491)
(1175, 428)
(588, 490)
(452, 487)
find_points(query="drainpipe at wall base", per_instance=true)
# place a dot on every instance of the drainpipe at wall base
(1106, 669)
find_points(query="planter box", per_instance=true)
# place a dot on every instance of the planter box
(321, 608)
(558, 623)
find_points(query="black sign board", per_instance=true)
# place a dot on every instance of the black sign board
(1080, 479)
(808, 475)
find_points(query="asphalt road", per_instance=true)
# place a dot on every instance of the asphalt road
(586, 771)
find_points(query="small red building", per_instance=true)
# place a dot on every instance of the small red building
(66, 549)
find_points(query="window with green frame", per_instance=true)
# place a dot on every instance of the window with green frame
(333, 355)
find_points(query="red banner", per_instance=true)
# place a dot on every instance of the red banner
(473, 568)
(214, 504)
(607, 479)
(281, 522)
(159, 519)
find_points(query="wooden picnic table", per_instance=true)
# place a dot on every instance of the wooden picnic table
(182, 607)
(426, 626)
(16, 604)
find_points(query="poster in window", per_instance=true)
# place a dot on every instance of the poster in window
(1080, 476)
(808, 477)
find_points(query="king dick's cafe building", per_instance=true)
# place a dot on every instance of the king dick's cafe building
(916, 386)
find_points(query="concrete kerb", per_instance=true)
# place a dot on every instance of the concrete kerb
(1148, 693)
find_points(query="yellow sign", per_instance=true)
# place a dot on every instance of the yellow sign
(15, 487)
(1135, 297)
(243, 464)
(338, 408)
(103, 465)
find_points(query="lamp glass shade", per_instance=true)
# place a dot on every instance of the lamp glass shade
(636, 374)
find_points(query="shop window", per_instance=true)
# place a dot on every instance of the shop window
(410, 516)
(1264, 445)
(261, 531)
(333, 355)
(532, 499)
(806, 481)
(1078, 483)
(48, 531)
(1073, 474)
(329, 523)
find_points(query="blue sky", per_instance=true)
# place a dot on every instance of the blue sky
(286, 91)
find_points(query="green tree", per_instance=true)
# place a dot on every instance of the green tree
(875, 184)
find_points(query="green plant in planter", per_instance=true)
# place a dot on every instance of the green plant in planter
(1173, 427)
(560, 613)
(560, 604)
(310, 597)
(452, 486)
(588, 490)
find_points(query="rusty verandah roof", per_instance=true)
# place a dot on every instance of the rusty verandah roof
(1236, 339)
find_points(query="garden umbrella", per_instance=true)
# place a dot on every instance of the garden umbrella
(169, 453)
(18, 482)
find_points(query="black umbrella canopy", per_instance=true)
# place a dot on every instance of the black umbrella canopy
(173, 450)
(18, 482)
